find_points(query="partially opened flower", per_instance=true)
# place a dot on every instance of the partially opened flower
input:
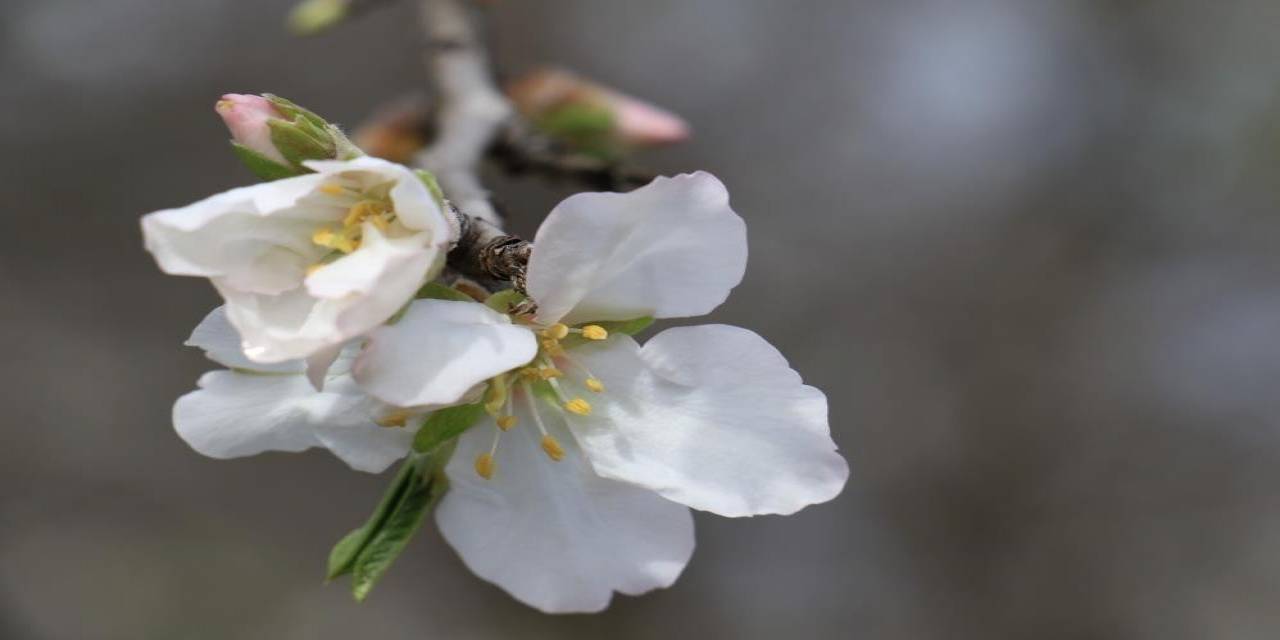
(577, 486)
(250, 408)
(309, 262)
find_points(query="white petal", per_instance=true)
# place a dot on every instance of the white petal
(670, 249)
(554, 534)
(349, 432)
(239, 414)
(318, 363)
(236, 414)
(221, 343)
(711, 417)
(254, 238)
(439, 350)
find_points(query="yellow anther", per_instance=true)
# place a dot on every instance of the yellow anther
(552, 447)
(363, 210)
(314, 268)
(323, 236)
(556, 331)
(506, 422)
(552, 347)
(394, 419)
(332, 189)
(578, 406)
(594, 385)
(594, 332)
(547, 373)
(484, 465)
(380, 221)
(529, 373)
(495, 397)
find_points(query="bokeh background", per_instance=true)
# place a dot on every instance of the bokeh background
(1030, 250)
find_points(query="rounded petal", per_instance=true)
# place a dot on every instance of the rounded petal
(237, 414)
(221, 343)
(439, 350)
(554, 534)
(670, 249)
(254, 237)
(711, 417)
(348, 431)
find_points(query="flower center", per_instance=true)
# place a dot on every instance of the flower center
(372, 205)
(544, 379)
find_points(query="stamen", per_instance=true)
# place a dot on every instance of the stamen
(594, 385)
(507, 422)
(552, 447)
(556, 331)
(495, 397)
(394, 419)
(547, 372)
(315, 267)
(594, 332)
(484, 465)
(578, 406)
(552, 347)
(333, 189)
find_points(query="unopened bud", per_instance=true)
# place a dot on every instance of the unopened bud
(273, 136)
(591, 116)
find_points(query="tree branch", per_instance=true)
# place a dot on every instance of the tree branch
(469, 114)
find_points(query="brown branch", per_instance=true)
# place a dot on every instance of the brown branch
(521, 149)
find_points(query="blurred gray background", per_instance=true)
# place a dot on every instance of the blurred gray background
(1028, 249)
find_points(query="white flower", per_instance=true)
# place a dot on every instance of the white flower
(307, 263)
(709, 417)
(254, 407)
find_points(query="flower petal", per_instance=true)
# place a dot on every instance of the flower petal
(439, 350)
(236, 414)
(221, 343)
(251, 237)
(670, 249)
(416, 208)
(711, 417)
(554, 534)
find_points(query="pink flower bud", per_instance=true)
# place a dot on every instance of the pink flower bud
(634, 122)
(247, 116)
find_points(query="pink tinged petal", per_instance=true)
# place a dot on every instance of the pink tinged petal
(439, 350)
(221, 343)
(671, 249)
(711, 417)
(555, 535)
(246, 116)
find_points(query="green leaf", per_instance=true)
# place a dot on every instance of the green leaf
(504, 300)
(296, 145)
(445, 424)
(262, 166)
(389, 541)
(343, 556)
(438, 291)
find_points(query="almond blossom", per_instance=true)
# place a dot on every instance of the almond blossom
(579, 483)
(307, 263)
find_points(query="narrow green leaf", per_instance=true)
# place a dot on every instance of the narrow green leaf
(262, 166)
(343, 556)
(446, 424)
(438, 291)
(389, 541)
(504, 300)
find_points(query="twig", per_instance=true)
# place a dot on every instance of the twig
(521, 149)
(470, 111)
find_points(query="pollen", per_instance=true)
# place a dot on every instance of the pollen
(507, 422)
(578, 406)
(484, 465)
(552, 347)
(594, 385)
(394, 419)
(552, 447)
(547, 373)
(594, 332)
(332, 189)
(556, 331)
